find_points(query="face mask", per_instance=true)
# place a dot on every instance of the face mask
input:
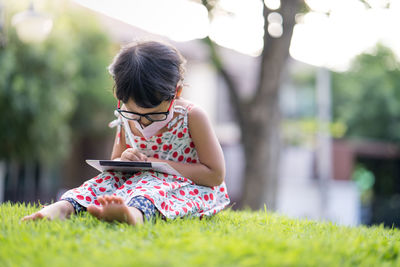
(154, 127)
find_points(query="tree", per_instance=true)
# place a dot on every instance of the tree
(366, 99)
(52, 96)
(50, 90)
(259, 116)
(373, 82)
(35, 101)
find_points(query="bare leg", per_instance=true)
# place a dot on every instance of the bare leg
(60, 210)
(114, 209)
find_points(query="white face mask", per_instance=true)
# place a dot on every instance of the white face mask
(154, 127)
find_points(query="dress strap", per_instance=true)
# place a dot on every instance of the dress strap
(121, 121)
(117, 123)
(128, 132)
(178, 109)
(185, 118)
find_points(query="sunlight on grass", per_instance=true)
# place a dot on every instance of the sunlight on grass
(231, 238)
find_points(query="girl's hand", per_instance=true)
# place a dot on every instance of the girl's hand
(132, 154)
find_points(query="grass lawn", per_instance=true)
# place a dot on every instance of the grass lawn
(230, 238)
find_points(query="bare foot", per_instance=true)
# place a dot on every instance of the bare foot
(59, 210)
(114, 209)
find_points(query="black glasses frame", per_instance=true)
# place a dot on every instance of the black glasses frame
(146, 115)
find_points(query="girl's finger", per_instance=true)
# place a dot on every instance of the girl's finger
(131, 156)
(140, 156)
(128, 155)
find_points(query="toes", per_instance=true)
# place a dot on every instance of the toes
(102, 201)
(118, 200)
(34, 216)
(38, 216)
(112, 199)
(108, 199)
(95, 211)
(26, 218)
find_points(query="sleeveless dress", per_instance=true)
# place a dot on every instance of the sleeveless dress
(173, 196)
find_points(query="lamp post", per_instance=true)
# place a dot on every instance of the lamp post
(324, 142)
(32, 26)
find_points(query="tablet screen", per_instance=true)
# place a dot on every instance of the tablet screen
(125, 163)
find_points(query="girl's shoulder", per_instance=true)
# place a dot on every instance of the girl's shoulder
(195, 114)
(185, 104)
(190, 108)
(184, 107)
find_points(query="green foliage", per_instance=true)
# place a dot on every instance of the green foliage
(36, 100)
(93, 52)
(365, 181)
(53, 89)
(364, 178)
(302, 131)
(366, 98)
(229, 239)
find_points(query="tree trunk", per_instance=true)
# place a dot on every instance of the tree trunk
(259, 117)
(261, 132)
(261, 148)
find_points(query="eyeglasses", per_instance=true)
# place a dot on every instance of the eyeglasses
(153, 116)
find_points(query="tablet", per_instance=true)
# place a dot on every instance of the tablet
(131, 166)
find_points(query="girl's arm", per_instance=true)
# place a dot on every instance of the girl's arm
(210, 171)
(118, 148)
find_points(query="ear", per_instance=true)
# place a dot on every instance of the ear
(178, 90)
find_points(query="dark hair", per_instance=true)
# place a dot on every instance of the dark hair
(148, 72)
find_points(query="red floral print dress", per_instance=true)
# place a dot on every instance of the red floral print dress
(174, 196)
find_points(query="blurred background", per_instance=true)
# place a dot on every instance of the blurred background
(304, 97)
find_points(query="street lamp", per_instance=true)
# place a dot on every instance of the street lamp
(32, 26)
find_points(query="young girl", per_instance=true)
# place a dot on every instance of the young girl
(154, 124)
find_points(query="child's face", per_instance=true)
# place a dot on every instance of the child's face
(131, 106)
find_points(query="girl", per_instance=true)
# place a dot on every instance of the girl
(154, 124)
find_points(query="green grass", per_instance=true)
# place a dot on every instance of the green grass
(230, 238)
